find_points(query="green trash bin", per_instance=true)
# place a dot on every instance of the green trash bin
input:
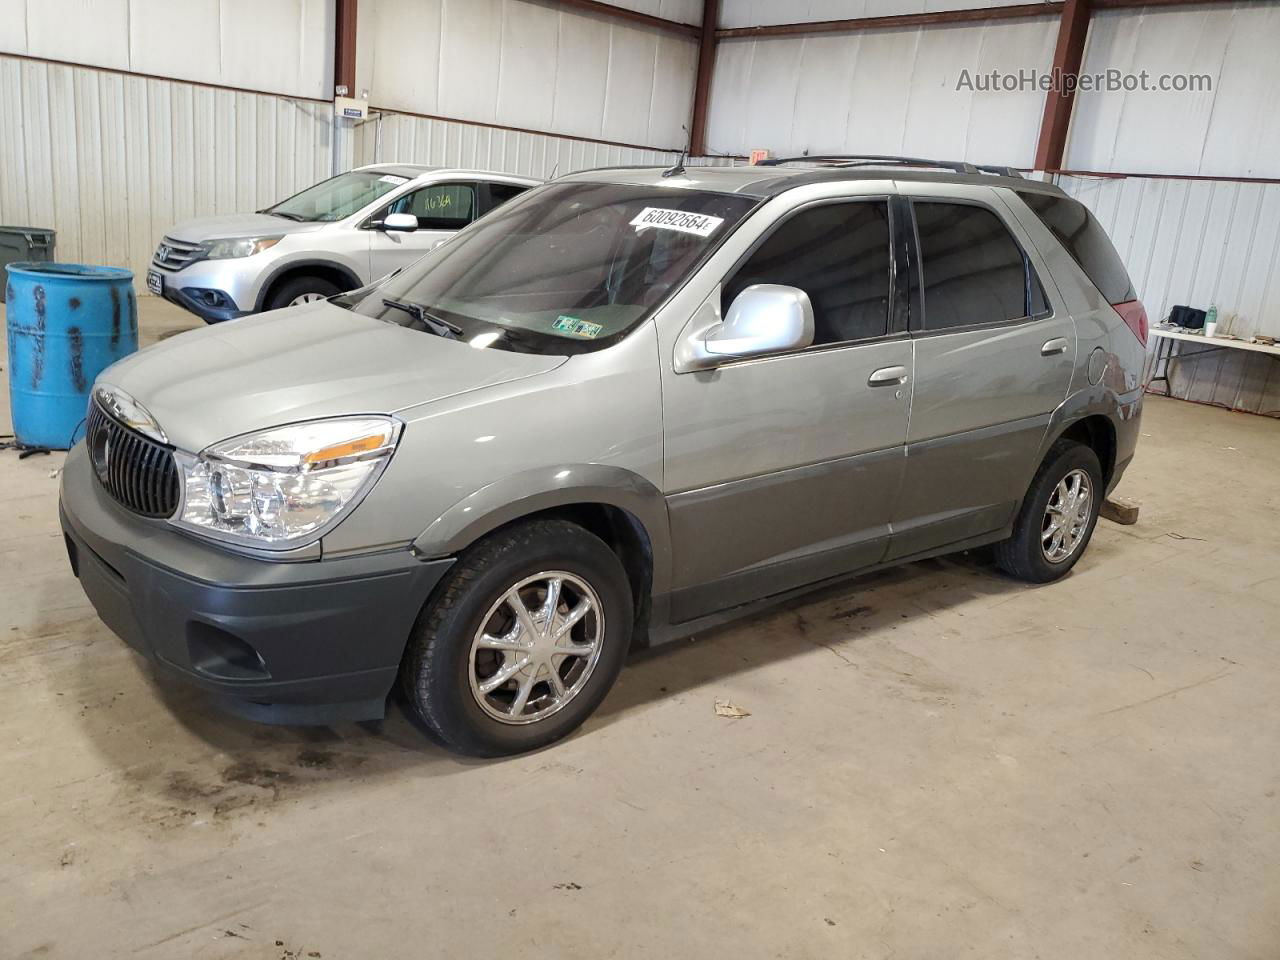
(24, 245)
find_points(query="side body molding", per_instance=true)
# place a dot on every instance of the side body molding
(544, 488)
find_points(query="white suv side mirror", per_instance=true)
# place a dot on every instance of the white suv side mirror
(764, 318)
(405, 222)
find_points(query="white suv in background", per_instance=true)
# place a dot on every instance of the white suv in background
(335, 236)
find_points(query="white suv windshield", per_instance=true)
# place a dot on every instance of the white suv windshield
(566, 268)
(338, 197)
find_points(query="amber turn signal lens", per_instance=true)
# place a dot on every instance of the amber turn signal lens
(348, 448)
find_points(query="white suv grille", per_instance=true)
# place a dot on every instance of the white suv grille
(173, 254)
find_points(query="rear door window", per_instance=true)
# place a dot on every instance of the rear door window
(496, 194)
(1083, 237)
(973, 271)
(837, 253)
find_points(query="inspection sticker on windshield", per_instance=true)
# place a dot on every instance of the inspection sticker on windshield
(392, 178)
(699, 224)
(577, 328)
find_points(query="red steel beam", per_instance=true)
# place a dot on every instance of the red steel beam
(344, 46)
(1073, 28)
(935, 18)
(706, 65)
(634, 16)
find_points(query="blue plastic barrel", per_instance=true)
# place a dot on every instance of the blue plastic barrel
(67, 322)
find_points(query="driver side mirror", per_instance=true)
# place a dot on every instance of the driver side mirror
(403, 222)
(764, 318)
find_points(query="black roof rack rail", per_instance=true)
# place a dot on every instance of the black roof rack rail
(862, 159)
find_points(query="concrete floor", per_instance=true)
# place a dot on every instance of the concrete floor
(939, 762)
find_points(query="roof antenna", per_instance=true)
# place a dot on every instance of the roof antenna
(677, 168)
(553, 171)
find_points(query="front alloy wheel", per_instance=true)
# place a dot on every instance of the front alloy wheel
(537, 647)
(521, 640)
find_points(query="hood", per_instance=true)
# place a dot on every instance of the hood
(237, 225)
(301, 363)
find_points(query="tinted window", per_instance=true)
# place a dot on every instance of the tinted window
(441, 206)
(974, 271)
(837, 253)
(500, 193)
(1083, 237)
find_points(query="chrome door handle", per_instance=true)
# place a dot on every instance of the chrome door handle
(1053, 347)
(887, 377)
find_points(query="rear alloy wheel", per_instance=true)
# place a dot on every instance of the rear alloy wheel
(1066, 516)
(1057, 517)
(521, 641)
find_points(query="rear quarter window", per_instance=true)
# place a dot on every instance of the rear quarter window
(1083, 237)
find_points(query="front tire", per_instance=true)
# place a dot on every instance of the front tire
(301, 290)
(522, 641)
(1058, 515)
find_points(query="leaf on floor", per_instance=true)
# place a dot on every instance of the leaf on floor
(727, 708)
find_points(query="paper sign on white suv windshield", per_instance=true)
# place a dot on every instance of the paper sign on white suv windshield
(699, 224)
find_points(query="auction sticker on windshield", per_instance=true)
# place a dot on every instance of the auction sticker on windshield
(699, 224)
(577, 328)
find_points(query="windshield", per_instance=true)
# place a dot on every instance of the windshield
(566, 268)
(338, 197)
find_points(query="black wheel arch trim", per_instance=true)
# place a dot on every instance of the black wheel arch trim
(1122, 411)
(295, 266)
(546, 488)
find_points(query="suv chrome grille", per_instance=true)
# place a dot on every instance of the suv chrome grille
(174, 254)
(138, 472)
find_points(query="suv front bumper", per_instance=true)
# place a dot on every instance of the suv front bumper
(279, 642)
(235, 279)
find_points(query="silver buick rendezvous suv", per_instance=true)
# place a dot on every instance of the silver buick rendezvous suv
(627, 404)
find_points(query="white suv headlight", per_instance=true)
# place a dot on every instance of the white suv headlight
(237, 247)
(278, 488)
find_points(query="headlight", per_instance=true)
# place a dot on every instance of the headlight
(279, 488)
(237, 247)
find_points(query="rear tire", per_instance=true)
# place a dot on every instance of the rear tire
(298, 288)
(470, 635)
(1057, 517)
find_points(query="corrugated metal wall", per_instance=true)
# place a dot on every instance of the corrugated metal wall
(882, 91)
(111, 161)
(396, 137)
(1201, 242)
(1230, 130)
(530, 65)
(281, 46)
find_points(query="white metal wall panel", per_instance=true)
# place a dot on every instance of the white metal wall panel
(882, 91)
(755, 13)
(279, 46)
(1201, 242)
(531, 65)
(684, 11)
(1229, 131)
(111, 161)
(392, 138)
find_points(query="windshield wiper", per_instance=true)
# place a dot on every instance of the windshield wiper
(297, 218)
(437, 325)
